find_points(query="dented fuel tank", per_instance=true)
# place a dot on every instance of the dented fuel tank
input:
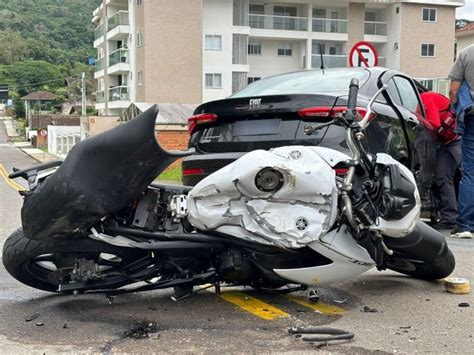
(285, 197)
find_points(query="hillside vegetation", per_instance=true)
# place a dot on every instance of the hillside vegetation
(43, 43)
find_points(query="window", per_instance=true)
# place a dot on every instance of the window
(255, 49)
(256, 16)
(140, 78)
(403, 93)
(214, 80)
(213, 43)
(139, 2)
(139, 39)
(252, 79)
(285, 49)
(427, 50)
(428, 15)
(397, 10)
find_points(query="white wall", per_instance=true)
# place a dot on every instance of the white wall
(218, 20)
(463, 42)
(270, 63)
(394, 27)
(61, 139)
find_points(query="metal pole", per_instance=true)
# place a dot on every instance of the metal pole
(83, 91)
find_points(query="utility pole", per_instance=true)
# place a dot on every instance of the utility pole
(83, 92)
(84, 107)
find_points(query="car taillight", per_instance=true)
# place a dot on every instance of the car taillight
(203, 118)
(194, 171)
(328, 112)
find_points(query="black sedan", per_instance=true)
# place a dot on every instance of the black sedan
(274, 111)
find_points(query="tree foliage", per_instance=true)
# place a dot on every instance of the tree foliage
(56, 31)
(44, 45)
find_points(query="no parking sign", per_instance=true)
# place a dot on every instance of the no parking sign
(363, 54)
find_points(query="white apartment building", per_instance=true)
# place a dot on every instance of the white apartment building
(189, 51)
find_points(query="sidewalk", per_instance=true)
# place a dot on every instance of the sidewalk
(38, 154)
(9, 126)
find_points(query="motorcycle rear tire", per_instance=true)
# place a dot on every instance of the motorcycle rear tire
(19, 255)
(423, 254)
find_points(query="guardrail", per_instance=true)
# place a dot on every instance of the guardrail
(99, 64)
(118, 93)
(375, 28)
(329, 25)
(118, 56)
(273, 22)
(98, 32)
(118, 19)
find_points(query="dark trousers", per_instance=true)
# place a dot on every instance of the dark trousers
(448, 160)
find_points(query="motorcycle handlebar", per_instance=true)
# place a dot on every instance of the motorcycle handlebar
(353, 91)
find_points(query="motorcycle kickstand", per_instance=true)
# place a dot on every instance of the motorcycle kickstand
(313, 295)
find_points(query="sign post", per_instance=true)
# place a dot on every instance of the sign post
(363, 54)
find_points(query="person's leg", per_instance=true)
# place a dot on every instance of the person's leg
(448, 160)
(465, 218)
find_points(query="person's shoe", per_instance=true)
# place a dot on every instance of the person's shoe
(444, 226)
(460, 233)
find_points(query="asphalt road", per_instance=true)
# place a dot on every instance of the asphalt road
(411, 315)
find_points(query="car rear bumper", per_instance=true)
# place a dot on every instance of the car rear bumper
(198, 166)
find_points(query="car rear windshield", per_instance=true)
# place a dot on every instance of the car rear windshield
(306, 82)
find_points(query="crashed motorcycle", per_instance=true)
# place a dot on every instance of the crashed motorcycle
(291, 218)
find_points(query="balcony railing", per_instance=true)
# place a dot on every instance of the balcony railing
(118, 19)
(118, 93)
(98, 32)
(99, 64)
(118, 56)
(375, 28)
(329, 25)
(100, 96)
(289, 23)
(330, 60)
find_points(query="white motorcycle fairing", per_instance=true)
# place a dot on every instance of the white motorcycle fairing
(349, 260)
(297, 214)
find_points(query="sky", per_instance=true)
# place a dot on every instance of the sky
(467, 11)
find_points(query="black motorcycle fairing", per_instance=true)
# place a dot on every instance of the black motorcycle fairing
(100, 176)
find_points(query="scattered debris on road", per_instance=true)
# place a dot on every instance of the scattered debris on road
(39, 324)
(369, 310)
(322, 336)
(464, 304)
(142, 330)
(457, 285)
(33, 317)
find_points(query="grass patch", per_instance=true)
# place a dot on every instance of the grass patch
(173, 173)
(44, 149)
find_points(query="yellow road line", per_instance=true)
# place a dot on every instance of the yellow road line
(253, 305)
(319, 307)
(11, 183)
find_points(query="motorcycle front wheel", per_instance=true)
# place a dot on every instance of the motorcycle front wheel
(423, 254)
(44, 264)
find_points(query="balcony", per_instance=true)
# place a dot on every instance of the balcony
(119, 61)
(120, 18)
(99, 32)
(375, 28)
(329, 25)
(99, 68)
(118, 93)
(285, 23)
(118, 25)
(99, 35)
(330, 61)
(100, 96)
(99, 64)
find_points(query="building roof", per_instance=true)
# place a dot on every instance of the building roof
(465, 30)
(39, 96)
(167, 114)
